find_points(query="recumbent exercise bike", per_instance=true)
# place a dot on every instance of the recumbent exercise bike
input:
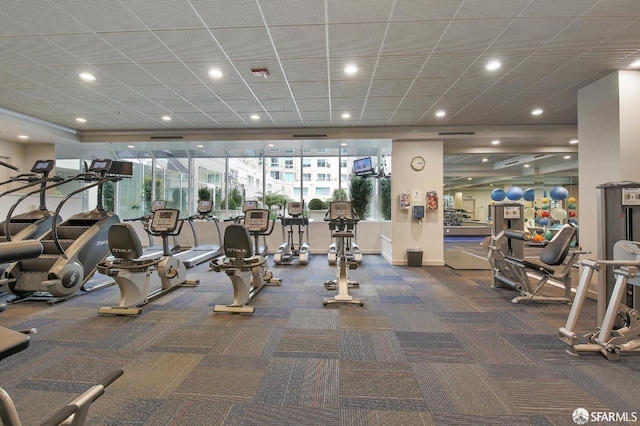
(242, 262)
(133, 275)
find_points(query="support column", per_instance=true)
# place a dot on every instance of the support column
(608, 133)
(408, 233)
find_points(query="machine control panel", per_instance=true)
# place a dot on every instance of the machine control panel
(165, 220)
(158, 205)
(295, 208)
(43, 166)
(257, 220)
(205, 206)
(100, 165)
(249, 205)
(340, 210)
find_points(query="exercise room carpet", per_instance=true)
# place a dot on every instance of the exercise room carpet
(431, 346)
(463, 260)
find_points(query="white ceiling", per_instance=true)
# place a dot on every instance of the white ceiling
(151, 58)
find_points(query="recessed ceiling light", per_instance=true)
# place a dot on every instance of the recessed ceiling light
(130, 146)
(440, 114)
(573, 141)
(526, 166)
(484, 160)
(469, 178)
(346, 115)
(87, 76)
(350, 69)
(536, 111)
(166, 118)
(566, 157)
(495, 142)
(343, 144)
(493, 65)
(81, 120)
(215, 73)
(23, 136)
(635, 64)
(200, 146)
(255, 117)
(271, 145)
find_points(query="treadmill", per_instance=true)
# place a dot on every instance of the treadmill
(201, 253)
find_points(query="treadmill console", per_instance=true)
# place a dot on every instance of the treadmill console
(340, 210)
(205, 206)
(249, 205)
(165, 220)
(295, 208)
(158, 205)
(43, 166)
(100, 165)
(257, 220)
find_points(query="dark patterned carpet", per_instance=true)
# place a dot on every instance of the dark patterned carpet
(431, 345)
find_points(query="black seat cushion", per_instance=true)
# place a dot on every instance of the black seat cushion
(124, 242)
(237, 242)
(556, 251)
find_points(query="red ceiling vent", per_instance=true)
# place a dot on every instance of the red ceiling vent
(260, 72)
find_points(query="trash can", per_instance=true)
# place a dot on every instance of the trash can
(414, 257)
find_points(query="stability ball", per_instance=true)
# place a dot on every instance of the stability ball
(572, 206)
(548, 235)
(498, 194)
(571, 200)
(538, 238)
(529, 213)
(559, 193)
(558, 214)
(545, 200)
(545, 213)
(514, 193)
(529, 194)
(543, 222)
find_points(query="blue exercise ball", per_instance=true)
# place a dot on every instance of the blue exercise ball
(514, 193)
(529, 194)
(498, 194)
(543, 222)
(559, 193)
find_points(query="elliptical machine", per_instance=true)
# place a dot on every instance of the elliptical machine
(133, 275)
(351, 248)
(243, 264)
(290, 249)
(342, 219)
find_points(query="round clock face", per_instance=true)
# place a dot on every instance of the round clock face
(417, 163)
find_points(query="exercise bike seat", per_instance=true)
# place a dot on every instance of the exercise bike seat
(238, 250)
(124, 242)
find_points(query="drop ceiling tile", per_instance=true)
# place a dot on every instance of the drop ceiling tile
(309, 89)
(223, 14)
(307, 41)
(299, 12)
(349, 41)
(530, 34)
(247, 106)
(588, 33)
(426, 10)
(127, 73)
(472, 36)
(351, 105)
(164, 13)
(89, 48)
(383, 102)
(400, 67)
(350, 89)
(569, 8)
(210, 106)
(305, 69)
(139, 46)
(312, 104)
(191, 45)
(42, 17)
(101, 16)
(413, 38)
(357, 11)
(172, 73)
(39, 50)
(245, 43)
(229, 92)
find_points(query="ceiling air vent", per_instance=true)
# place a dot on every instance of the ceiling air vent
(165, 138)
(457, 133)
(309, 136)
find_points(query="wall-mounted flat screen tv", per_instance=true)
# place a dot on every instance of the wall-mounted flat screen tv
(363, 166)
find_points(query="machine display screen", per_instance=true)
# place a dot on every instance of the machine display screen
(256, 215)
(249, 205)
(166, 215)
(362, 166)
(158, 204)
(43, 165)
(205, 205)
(99, 165)
(340, 209)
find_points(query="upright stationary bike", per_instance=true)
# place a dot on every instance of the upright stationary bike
(341, 221)
(290, 248)
(133, 275)
(243, 263)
